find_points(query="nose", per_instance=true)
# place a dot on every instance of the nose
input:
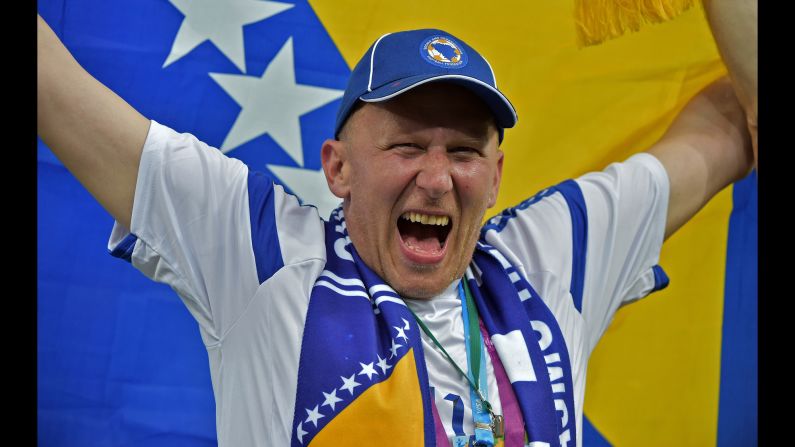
(435, 175)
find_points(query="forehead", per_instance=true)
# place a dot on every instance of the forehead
(431, 105)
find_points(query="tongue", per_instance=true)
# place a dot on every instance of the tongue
(430, 244)
(422, 238)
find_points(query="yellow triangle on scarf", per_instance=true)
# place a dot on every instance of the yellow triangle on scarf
(600, 20)
(397, 402)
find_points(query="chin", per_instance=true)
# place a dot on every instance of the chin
(425, 288)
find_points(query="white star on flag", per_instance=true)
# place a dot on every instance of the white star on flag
(405, 324)
(368, 369)
(349, 384)
(299, 431)
(222, 23)
(313, 415)
(309, 185)
(331, 399)
(272, 104)
(383, 365)
(394, 348)
(400, 333)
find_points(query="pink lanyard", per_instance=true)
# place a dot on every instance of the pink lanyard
(514, 425)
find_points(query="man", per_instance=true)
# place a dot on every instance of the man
(314, 328)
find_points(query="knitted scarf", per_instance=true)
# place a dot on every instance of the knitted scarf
(362, 378)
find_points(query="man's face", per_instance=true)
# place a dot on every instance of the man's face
(417, 174)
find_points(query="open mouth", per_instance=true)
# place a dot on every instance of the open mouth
(424, 233)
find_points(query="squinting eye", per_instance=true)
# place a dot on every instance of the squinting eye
(407, 149)
(464, 150)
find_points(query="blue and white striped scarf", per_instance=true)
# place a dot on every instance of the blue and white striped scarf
(362, 378)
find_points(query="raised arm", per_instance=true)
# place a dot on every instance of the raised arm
(734, 24)
(95, 133)
(707, 148)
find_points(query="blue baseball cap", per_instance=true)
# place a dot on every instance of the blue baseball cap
(398, 62)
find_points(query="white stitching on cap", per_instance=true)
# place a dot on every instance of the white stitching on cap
(372, 56)
(490, 69)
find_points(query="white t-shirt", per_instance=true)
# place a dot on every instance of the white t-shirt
(243, 255)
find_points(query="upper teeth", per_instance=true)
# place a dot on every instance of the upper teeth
(426, 219)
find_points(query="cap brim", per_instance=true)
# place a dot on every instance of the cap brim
(501, 108)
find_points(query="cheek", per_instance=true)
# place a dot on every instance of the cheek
(375, 190)
(390, 177)
(475, 185)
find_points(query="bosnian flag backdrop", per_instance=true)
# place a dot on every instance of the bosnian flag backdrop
(121, 362)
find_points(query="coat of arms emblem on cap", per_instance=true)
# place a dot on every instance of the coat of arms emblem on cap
(443, 51)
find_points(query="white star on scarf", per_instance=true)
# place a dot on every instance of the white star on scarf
(383, 364)
(331, 399)
(299, 431)
(368, 369)
(400, 333)
(349, 384)
(394, 348)
(314, 415)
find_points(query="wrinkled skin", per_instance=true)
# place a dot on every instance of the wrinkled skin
(432, 150)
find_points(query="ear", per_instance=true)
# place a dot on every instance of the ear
(495, 187)
(333, 156)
